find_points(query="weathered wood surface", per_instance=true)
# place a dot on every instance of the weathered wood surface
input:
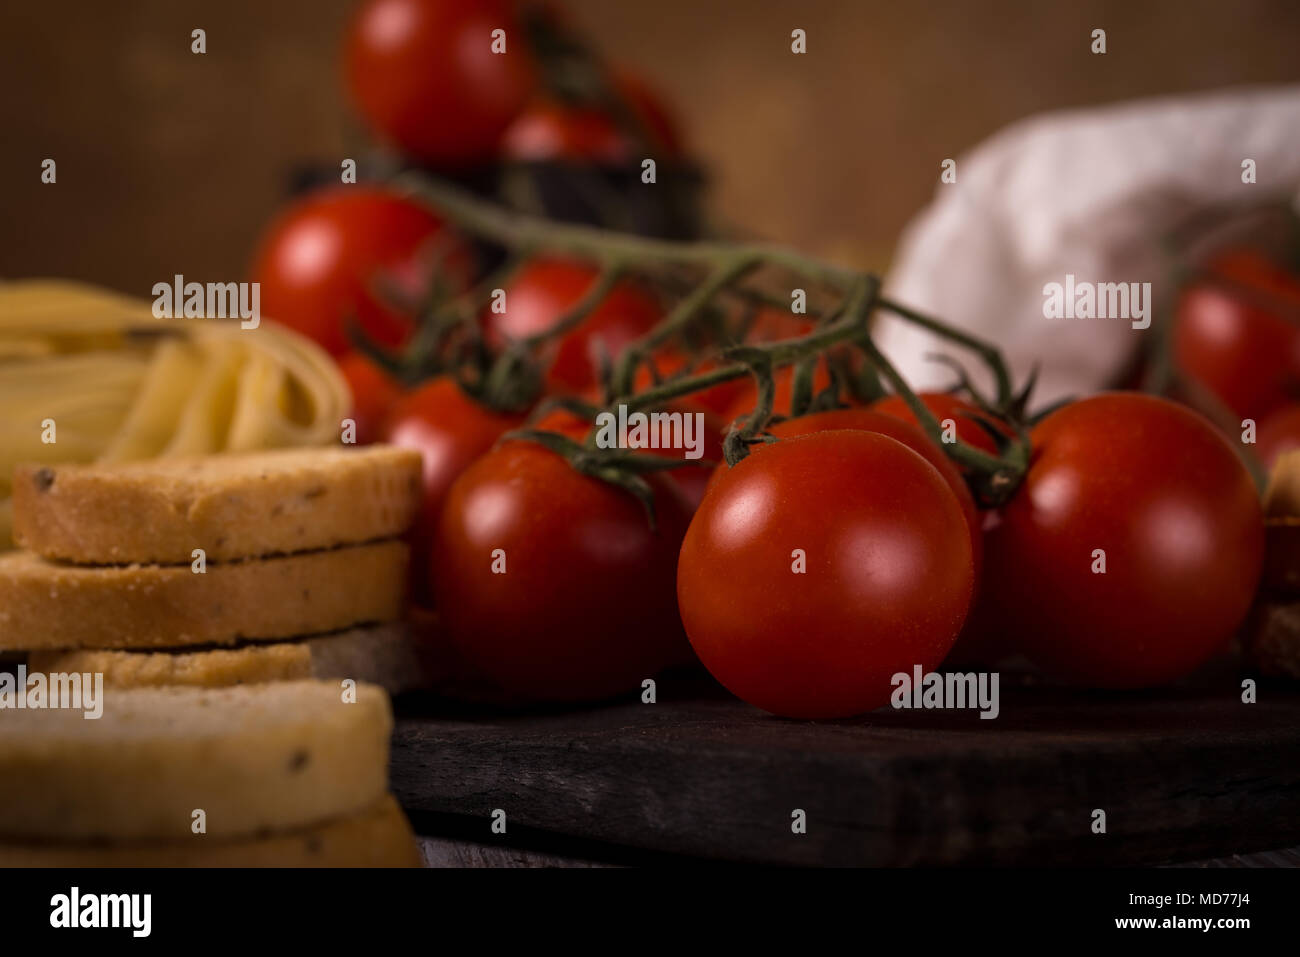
(1182, 775)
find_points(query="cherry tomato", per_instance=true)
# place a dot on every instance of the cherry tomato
(944, 406)
(451, 430)
(1277, 434)
(538, 297)
(1242, 344)
(887, 579)
(425, 77)
(1154, 491)
(552, 584)
(551, 130)
(319, 261)
(374, 392)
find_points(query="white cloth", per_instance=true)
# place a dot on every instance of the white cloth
(1085, 192)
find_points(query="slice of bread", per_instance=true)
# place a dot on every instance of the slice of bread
(378, 836)
(233, 505)
(49, 605)
(255, 760)
(384, 655)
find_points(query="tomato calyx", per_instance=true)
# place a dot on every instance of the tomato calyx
(621, 467)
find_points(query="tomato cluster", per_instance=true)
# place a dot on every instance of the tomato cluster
(844, 546)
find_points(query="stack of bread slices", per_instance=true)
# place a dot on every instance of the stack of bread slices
(215, 571)
(238, 615)
(291, 774)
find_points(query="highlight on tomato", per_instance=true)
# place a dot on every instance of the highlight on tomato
(552, 584)
(1237, 332)
(820, 567)
(1133, 548)
(319, 262)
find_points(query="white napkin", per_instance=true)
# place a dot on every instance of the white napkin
(1087, 193)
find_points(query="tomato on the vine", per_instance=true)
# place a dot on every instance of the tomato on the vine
(1132, 550)
(670, 362)
(426, 78)
(693, 480)
(820, 567)
(783, 395)
(450, 430)
(537, 298)
(319, 262)
(944, 406)
(1243, 344)
(374, 392)
(552, 584)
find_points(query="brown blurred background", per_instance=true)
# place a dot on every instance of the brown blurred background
(171, 162)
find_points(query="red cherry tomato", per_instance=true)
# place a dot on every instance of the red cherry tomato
(451, 430)
(1157, 490)
(538, 297)
(1277, 434)
(374, 392)
(552, 584)
(425, 77)
(888, 578)
(551, 130)
(944, 406)
(1242, 344)
(319, 261)
(548, 130)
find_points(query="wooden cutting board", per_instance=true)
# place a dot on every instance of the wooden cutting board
(1180, 774)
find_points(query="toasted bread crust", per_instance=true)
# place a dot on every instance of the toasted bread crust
(256, 760)
(233, 506)
(384, 655)
(46, 605)
(379, 836)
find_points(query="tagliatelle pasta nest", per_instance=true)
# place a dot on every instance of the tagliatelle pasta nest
(108, 381)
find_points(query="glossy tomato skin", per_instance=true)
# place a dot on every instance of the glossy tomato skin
(584, 609)
(1245, 351)
(944, 406)
(425, 78)
(318, 263)
(374, 392)
(866, 420)
(1155, 487)
(889, 573)
(538, 297)
(451, 431)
